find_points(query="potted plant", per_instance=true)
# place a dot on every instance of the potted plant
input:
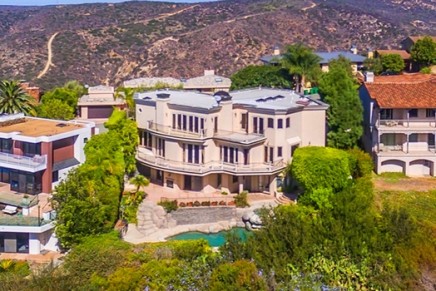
(197, 203)
(222, 203)
(231, 203)
(214, 203)
(205, 203)
(182, 204)
(189, 204)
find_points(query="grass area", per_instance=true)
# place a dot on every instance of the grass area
(391, 176)
(421, 205)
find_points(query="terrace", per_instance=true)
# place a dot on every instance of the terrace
(29, 164)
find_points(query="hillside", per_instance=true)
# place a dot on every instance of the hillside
(108, 43)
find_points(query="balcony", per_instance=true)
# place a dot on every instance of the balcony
(210, 167)
(239, 137)
(23, 163)
(411, 124)
(419, 149)
(174, 132)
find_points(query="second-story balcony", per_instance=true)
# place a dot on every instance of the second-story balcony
(175, 132)
(411, 124)
(239, 137)
(210, 167)
(29, 164)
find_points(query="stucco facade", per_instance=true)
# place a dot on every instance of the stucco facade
(226, 142)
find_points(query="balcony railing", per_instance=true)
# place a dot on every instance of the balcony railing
(406, 123)
(34, 163)
(210, 167)
(168, 130)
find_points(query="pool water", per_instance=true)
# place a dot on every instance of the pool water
(214, 239)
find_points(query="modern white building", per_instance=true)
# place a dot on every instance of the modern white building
(229, 142)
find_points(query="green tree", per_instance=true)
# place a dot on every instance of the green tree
(300, 61)
(373, 65)
(127, 95)
(266, 76)
(392, 63)
(345, 113)
(424, 52)
(139, 181)
(55, 109)
(13, 99)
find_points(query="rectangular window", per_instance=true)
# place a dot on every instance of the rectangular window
(184, 122)
(288, 122)
(31, 149)
(191, 123)
(179, 121)
(270, 123)
(55, 176)
(386, 114)
(196, 124)
(244, 120)
(6, 145)
(413, 113)
(197, 154)
(413, 137)
(215, 128)
(280, 123)
(246, 151)
(431, 140)
(430, 113)
(293, 148)
(202, 123)
(271, 154)
(255, 124)
(174, 121)
(235, 179)
(265, 158)
(279, 152)
(260, 125)
(226, 155)
(190, 159)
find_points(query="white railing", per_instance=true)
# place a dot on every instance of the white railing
(411, 122)
(168, 130)
(214, 166)
(34, 162)
(237, 136)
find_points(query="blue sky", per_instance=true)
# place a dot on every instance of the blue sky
(55, 2)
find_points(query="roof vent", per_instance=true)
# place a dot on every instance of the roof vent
(61, 124)
(218, 80)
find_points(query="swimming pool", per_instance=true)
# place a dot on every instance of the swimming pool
(214, 239)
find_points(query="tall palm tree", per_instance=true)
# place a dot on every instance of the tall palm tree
(302, 62)
(13, 99)
(139, 181)
(127, 95)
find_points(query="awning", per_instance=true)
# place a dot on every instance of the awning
(294, 140)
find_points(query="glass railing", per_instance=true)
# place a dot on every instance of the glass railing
(18, 220)
(31, 162)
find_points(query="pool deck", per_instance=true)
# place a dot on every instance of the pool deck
(136, 237)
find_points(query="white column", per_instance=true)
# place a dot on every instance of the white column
(241, 184)
(34, 244)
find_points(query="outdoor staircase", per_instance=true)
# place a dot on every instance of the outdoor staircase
(145, 222)
(283, 200)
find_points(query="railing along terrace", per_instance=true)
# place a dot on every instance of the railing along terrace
(169, 130)
(31, 162)
(425, 122)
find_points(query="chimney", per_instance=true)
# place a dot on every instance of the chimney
(276, 50)
(370, 53)
(209, 72)
(369, 77)
(353, 49)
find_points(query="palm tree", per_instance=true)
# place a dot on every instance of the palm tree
(139, 181)
(302, 62)
(127, 95)
(13, 99)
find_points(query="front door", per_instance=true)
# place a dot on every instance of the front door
(188, 184)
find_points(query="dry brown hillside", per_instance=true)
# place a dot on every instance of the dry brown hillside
(108, 43)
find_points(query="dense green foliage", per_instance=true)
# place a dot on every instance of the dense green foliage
(345, 113)
(55, 109)
(13, 99)
(424, 52)
(169, 205)
(241, 199)
(393, 63)
(300, 61)
(87, 202)
(264, 76)
(373, 65)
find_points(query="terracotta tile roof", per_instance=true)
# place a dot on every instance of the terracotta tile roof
(404, 91)
(403, 54)
(415, 38)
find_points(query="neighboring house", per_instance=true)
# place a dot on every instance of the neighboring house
(402, 53)
(35, 155)
(208, 83)
(99, 103)
(326, 57)
(33, 91)
(410, 41)
(226, 142)
(400, 122)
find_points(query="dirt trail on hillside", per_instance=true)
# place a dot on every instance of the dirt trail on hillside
(49, 57)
